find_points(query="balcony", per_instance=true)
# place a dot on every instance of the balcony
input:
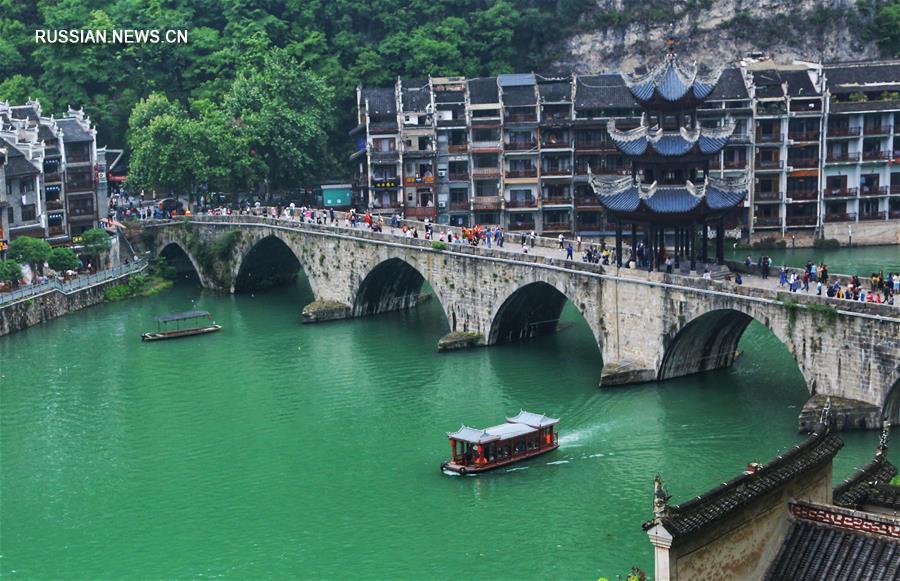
(805, 162)
(764, 221)
(735, 164)
(894, 214)
(557, 145)
(527, 203)
(767, 196)
(844, 131)
(587, 202)
(895, 189)
(802, 194)
(739, 138)
(801, 220)
(520, 145)
(477, 146)
(877, 155)
(841, 193)
(557, 201)
(459, 205)
(52, 177)
(769, 138)
(79, 185)
(803, 135)
(871, 191)
(485, 172)
(78, 157)
(54, 205)
(558, 226)
(840, 217)
(844, 157)
(556, 172)
(878, 130)
(420, 212)
(873, 216)
(458, 176)
(521, 117)
(594, 145)
(521, 226)
(521, 173)
(487, 202)
(457, 122)
(769, 164)
(458, 148)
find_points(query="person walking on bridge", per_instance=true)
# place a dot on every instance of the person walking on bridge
(569, 251)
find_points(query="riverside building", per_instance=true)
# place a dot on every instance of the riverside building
(819, 145)
(54, 175)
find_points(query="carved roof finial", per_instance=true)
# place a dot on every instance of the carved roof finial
(881, 450)
(660, 499)
(825, 418)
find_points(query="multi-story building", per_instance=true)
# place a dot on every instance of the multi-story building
(821, 144)
(53, 178)
(4, 224)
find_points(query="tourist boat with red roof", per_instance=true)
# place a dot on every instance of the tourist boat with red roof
(523, 436)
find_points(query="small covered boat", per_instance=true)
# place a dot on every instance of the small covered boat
(182, 325)
(523, 436)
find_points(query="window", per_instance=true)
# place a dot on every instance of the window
(29, 213)
(81, 207)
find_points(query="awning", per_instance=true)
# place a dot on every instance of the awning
(182, 316)
(533, 420)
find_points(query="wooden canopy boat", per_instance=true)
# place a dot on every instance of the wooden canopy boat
(523, 436)
(182, 325)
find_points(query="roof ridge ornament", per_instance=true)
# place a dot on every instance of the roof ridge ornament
(881, 449)
(825, 418)
(660, 499)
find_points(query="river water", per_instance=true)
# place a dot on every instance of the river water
(277, 450)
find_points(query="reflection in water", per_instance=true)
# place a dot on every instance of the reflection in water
(280, 450)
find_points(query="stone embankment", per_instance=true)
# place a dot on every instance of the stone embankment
(55, 301)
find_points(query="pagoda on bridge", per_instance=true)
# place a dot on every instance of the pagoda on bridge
(670, 189)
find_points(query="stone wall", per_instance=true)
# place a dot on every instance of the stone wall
(865, 233)
(34, 310)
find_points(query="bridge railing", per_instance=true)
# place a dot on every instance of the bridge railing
(71, 286)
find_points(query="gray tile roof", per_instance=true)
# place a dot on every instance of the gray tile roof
(519, 96)
(730, 86)
(768, 83)
(824, 552)
(72, 131)
(24, 112)
(516, 80)
(381, 101)
(415, 97)
(607, 91)
(695, 514)
(17, 165)
(484, 90)
(555, 92)
(849, 78)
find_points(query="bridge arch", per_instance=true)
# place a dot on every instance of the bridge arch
(179, 257)
(533, 309)
(710, 341)
(392, 284)
(265, 261)
(891, 409)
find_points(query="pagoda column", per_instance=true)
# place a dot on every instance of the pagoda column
(619, 243)
(720, 242)
(704, 243)
(634, 241)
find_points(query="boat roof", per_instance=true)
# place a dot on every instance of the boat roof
(182, 316)
(492, 434)
(532, 419)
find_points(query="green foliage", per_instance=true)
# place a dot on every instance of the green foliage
(96, 241)
(10, 271)
(792, 305)
(226, 244)
(826, 243)
(159, 267)
(824, 316)
(889, 96)
(61, 259)
(438, 245)
(138, 285)
(888, 27)
(857, 97)
(28, 250)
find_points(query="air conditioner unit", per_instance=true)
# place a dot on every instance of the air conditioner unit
(442, 173)
(442, 205)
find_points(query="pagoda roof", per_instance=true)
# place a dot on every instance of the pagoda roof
(624, 196)
(637, 141)
(671, 81)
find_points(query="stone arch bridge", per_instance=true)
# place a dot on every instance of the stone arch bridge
(648, 326)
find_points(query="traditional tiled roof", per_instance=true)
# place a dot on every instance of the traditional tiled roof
(635, 142)
(870, 484)
(623, 196)
(17, 165)
(381, 101)
(731, 86)
(483, 91)
(603, 92)
(532, 419)
(872, 76)
(699, 512)
(73, 131)
(30, 111)
(519, 96)
(516, 80)
(671, 81)
(836, 549)
(769, 83)
(555, 92)
(415, 95)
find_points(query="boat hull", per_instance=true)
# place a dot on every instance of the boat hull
(450, 466)
(182, 333)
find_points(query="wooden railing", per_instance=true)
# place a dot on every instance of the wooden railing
(567, 171)
(844, 131)
(458, 176)
(803, 162)
(801, 220)
(521, 173)
(768, 221)
(557, 226)
(803, 135)
(458, 148)
(803, 194)
(769, 163)
(877, 155)
(877, 130)
(842, 193)
(873, 216)
(840, 217)
(520, 145)
(874, 191)
(529, 203)
(842, 157)
(486, 172)
(487, 202)
(459, 205)
(556, 201)
(767, 195)
(735, 164)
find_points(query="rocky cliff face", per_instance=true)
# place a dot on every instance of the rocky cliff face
(623, 34)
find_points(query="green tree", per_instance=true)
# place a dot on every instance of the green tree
(286, 114)
(168, 156)
(62, 258)
(10, 271)
(28, 250)
(888, 20)
(95, 241)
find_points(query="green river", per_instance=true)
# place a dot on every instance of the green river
(276, 450)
